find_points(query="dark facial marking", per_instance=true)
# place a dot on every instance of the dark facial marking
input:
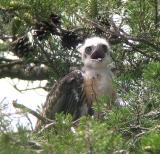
(104, 48)
(88, 50)
(99, 51)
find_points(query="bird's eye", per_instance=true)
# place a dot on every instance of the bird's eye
(88, 50)
(104, 48)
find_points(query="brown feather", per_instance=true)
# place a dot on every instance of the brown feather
(66, 96)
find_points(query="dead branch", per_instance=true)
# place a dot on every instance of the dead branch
(26, 89)
(46, 127)
(34, 113)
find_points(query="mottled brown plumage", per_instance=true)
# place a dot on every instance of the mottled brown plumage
(66, 96)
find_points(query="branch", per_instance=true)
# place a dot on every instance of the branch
(34, 113)
(33, 88)
(3, 59)
(139, 39)
(153, 114)
(5, 37)
(134, 47)
(18, 69)
(119, 33)
(46, 127)
(48, 123)
(1, 101)
(52, 124)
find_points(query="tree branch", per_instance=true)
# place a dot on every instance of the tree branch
(18, 69)
(34, 113)
(5, 37)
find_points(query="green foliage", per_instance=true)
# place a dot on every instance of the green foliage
(21, 16)
(15, 143)
(151, 142)
(17, 25)
(4, 120)
(119, 117)
(152, 74)
(140, 18)
(92, 8)
(90, 136)
(3, 47)
(133, 128)
(117, 132)
(97, 137)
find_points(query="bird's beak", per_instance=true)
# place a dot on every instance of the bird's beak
(98, 54)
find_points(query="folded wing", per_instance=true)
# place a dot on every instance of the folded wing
(66, 96)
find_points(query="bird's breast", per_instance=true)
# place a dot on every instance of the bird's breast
(97, 86)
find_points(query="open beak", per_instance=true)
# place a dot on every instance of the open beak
(98, 55)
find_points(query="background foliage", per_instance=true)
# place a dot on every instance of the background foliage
(43, 34)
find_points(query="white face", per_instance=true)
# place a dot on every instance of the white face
(95, 53)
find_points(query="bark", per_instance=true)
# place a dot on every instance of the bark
(18, 69)
(157, 14)
(158, 10)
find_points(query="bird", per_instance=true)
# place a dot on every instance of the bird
(76, 92)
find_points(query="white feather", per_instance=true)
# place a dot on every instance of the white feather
(99, 70)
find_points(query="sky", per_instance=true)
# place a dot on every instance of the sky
(30, 98)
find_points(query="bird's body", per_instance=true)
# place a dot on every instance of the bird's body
(97, 83)
(77, 91)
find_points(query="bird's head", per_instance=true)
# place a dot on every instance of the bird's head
(95, 52)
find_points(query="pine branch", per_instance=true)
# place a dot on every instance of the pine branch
(19, 69)
(34, 113)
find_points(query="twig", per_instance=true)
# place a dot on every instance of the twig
(26, 89)
(2, 100)
(29, 121)
(50, 125)
(34, 113)
(5, 37)
(153, 114)
(47, 126)
(11, 63)
(74, 123)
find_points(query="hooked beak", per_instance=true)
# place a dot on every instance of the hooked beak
(98, 55)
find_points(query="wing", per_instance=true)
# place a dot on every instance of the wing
(66, 96)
